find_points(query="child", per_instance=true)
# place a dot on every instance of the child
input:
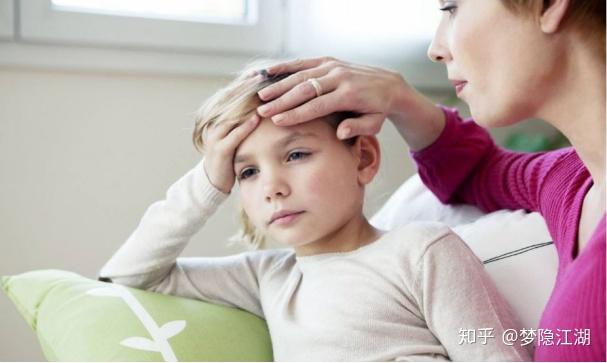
(344, 291)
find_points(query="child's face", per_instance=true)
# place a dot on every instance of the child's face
(302, 172)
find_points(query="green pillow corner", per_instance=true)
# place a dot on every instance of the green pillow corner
(80, 319)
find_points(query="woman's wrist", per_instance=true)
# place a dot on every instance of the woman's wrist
(418, 120)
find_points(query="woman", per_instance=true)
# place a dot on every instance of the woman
(510, 60)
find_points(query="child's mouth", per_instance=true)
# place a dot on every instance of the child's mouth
(285, 218)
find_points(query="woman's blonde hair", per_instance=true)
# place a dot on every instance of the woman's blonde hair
(585, 16)
(235, 103)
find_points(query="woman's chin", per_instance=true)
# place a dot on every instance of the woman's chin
(482, 117)
(489, 117)
(492, 121)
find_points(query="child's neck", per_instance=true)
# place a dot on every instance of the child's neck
(354, 234)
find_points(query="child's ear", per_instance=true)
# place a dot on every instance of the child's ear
(369, 157)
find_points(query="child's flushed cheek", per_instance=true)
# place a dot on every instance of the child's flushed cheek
(317, 182)
(332, 186)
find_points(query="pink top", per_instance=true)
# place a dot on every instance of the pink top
(464, 165)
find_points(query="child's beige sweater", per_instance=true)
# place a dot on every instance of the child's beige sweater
(404, 297)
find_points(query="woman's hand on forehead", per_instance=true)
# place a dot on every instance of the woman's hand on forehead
(221, 144)
(322, 86)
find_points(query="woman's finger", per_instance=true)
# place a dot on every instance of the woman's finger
(297, 95)
(283, 86)
(313, 109)
(367, 124)
(296, 65)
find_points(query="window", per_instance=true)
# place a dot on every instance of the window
(365, 29)
(388, 33)
(220, 26)
(205, 11)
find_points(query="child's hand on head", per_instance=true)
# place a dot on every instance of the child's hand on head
(220, 146)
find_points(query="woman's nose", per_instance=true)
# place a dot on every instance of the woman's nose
(275, 186)
(438, 50)
(433, 54)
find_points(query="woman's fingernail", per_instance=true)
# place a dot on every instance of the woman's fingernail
(344, 133)
(278, 118)
(263, 109)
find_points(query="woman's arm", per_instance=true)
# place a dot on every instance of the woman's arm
(460, 304)
(465, 165)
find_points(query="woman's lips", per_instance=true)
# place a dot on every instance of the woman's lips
(459, 86)
(286, 219)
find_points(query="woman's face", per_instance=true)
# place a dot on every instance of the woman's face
(500, 63)
(297, 184)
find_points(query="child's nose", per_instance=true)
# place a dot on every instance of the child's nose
(275, 186)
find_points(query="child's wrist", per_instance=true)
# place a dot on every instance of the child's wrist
(213, 184)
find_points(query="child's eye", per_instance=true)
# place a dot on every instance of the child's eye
(296, 155)
(247, 173)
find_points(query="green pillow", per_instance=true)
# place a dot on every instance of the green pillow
(79, 319)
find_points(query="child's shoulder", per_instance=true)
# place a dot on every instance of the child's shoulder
(420, 232)
(414, 239)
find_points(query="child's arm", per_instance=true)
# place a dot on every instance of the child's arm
(459, 300)
(148, 259)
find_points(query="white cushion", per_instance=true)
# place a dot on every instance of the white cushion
(514, 245)
(413, 201)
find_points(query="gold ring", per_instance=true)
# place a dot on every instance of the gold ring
(317, 87)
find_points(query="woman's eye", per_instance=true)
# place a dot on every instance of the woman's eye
(296, 155)
(246, 173)
(450, 8)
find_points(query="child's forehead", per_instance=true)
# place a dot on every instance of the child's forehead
(269, 135)
(271, 131)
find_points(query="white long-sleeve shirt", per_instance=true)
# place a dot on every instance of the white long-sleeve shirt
(410, 295)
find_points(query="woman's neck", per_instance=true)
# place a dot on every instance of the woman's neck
(577, 109)
(352, 235)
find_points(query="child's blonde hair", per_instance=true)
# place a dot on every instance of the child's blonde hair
(235, 103)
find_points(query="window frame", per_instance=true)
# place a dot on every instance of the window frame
(7, 25)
